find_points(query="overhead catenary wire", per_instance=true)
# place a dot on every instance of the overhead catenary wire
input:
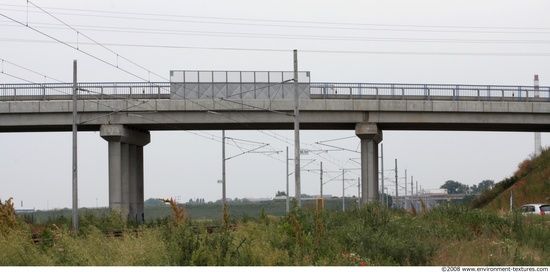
(489, 53)
(296, 23)
(27, 69)
(73, 47)
(264, 35)
(308, 51)
(94, 41)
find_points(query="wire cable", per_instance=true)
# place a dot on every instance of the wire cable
(303, 24)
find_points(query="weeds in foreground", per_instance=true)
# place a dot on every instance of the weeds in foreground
(178, 212)
(7, 216)
(371, 235)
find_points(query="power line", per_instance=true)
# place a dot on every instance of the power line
(27, 69)
(94, 41)
(411, 53)
(16, 77)
(301, 24)
(73, 47)
(264, 35)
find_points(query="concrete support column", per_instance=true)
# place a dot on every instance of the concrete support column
(132, 183)
(370, 137)
(126, 168)
(115, 178)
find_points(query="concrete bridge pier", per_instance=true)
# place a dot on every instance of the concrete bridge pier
(370, 137)
(126, 168)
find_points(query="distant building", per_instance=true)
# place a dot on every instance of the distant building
(24, 210)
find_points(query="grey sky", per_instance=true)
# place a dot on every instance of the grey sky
(460, 42)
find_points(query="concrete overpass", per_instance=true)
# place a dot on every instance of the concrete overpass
(124, 113)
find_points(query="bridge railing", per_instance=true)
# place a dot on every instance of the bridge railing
(86, 91)
(451, 92)
(373, 91)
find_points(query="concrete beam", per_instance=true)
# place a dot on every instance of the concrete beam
(368, 131)
(120, 133)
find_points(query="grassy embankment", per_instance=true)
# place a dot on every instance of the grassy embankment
(530, 184)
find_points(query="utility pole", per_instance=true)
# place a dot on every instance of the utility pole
(343, 192)
(297, 134)
(405, 189)
(412, 189)
(223, 170)
(537, 134)
(382, 165)
(75, 163)
(396, 186)
(287, 192)
(321, 180)
(387, 198)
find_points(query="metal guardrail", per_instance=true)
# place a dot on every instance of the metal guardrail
(452, 92)
(372, 91)
(86, 91)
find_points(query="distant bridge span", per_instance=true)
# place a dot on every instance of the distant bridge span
(153, 106)
(124, 113)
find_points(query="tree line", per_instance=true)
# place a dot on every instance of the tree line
(455, 187)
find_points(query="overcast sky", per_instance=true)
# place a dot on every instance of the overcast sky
(458, 42)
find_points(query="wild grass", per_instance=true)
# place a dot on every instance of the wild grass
(178, 212)
(370, 235)
(8, 219)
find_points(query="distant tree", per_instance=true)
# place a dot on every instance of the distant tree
(191, 200)
(280, 193)
(455, 187)
(463, 189)
(485, 185)
(482, 186)
(153, 202)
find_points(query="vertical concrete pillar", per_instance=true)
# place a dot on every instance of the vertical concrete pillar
(370, 137)
(124, 176)
(139, 184)
(115, 178)
(126, 168)
(133, 183)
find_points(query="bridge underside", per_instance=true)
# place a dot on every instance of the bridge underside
(309, 120)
